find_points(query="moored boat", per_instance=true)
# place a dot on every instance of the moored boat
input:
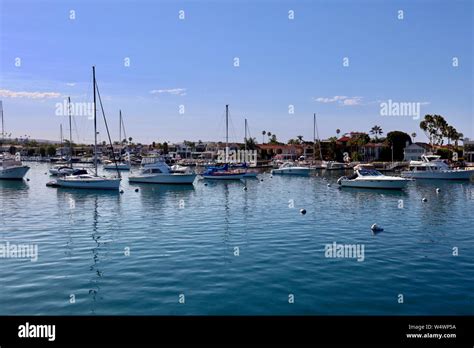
(12, 169)
(433, 167)
(290, 168)
(158, 172)
(365, 176)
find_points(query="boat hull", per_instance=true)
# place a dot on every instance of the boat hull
(441, 175)
(376, 184)
(93, 184)
(175, 179)
(119, 167)
(224, 177)
(13, 173)
(292, 171)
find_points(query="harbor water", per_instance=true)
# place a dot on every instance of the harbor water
(216, 249)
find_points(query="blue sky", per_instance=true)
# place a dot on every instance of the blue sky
(190, 62)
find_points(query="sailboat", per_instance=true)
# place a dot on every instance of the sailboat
(92, 181)
(11, 168)
(224, 172)
(123, 165)
(62, 169)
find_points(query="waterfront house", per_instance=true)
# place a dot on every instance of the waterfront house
(371, 151)
(414, 151)
(468, 152)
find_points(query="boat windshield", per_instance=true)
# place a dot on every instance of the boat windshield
(369, 172)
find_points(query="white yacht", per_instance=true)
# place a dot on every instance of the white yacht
(433, 167)
(110, 165)
(333, 165)
(61, 170)
(365, 176)
(12, 168)
(289, 168)
(156, 171)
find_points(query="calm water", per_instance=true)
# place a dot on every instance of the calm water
(82, 237)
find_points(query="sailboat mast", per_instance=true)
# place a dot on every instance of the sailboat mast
(120, 126)
(61, 133)
(95, 122)
(3, 125)
(319, 141)
(70, 130)
(245, 139)
(314, 136)
(226, 131)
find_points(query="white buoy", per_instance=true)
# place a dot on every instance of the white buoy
(438, 190)
(245, 188)
(303, 211)
(329, 185)
(424, 199)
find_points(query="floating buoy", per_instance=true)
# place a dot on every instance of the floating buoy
(303, 211)
(424, 199)
(205, 184)
(27, 179)
(376, 228)
(245, 188)
(261, 179)
(438, 190)
(136, 190)
(329, 185)
(121, 191)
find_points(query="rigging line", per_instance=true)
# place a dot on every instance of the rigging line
(107, 128)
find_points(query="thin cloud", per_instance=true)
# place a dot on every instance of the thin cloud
(71, 84)
(29, 95)
(172, 91)
(340, 99)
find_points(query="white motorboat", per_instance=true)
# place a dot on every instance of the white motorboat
(158, 172)
(289, 168)
(433, 167)
(109, 165)
(12, 169)
(365, 176)
(333, 165)
(61, 170)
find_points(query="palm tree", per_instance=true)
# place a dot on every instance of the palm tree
(376, 130)
(300, 138)
(263, 136)
(413, 135)
(269, 134)
(338, 131)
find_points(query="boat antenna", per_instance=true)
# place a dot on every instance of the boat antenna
(70, 130)
(108, 133)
